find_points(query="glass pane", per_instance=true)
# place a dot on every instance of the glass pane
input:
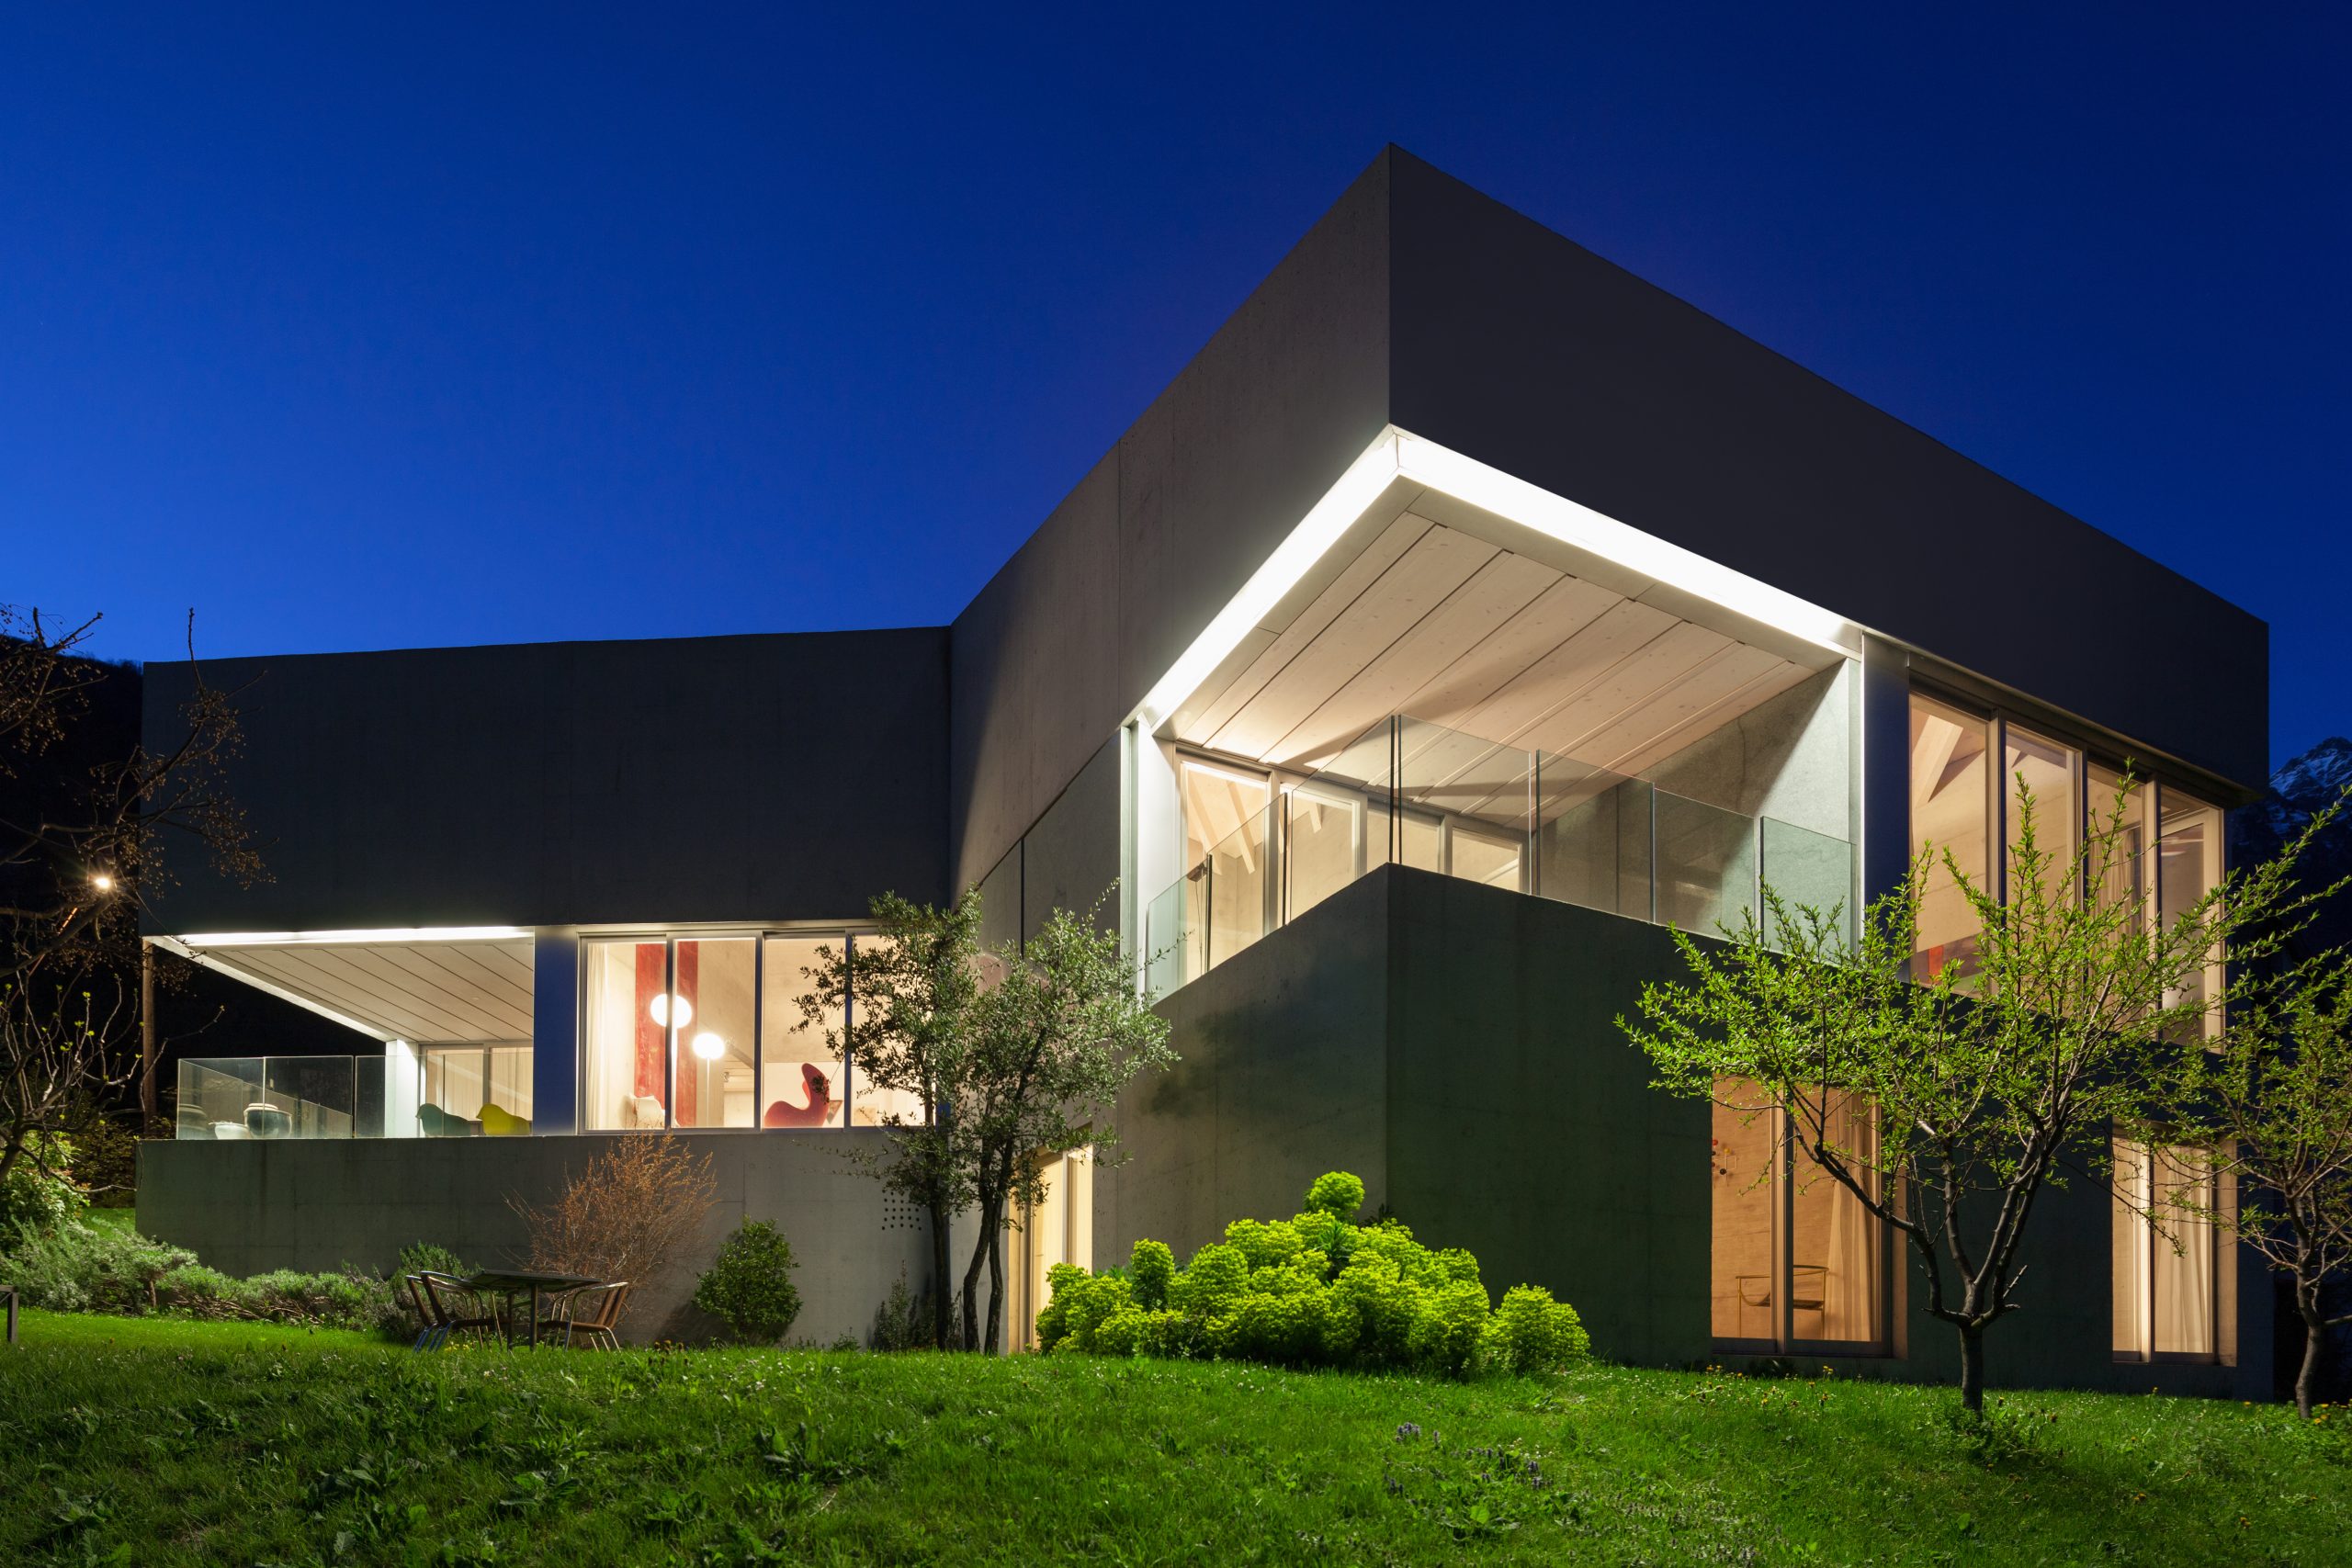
(1594, 844)
(2188, 866)
(2120, 871)
(2130, 1236)
(624, 1037)
(1808, 870)
(1706, 864)
(1949, 808)
(1323, 829)
(801, 1075)
(871, 1105)
(1170, 941)
(1466, 803)
(1473, 855)
(2181, 1257)
(1740, 1251)
(453, 1080)
(1835, 1261)
(213, 1095)
(711, 1028)
(303, 1097)
(510, 1080)
(2044, 772)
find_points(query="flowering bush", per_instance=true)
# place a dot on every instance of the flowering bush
(1314, 1290)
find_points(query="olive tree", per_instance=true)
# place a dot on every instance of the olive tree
(909, 995)
(1055, 1039)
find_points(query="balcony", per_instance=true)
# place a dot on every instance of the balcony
(234, 1098)
(1410, 793)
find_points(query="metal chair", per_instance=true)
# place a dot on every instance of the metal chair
(441, 1320)
(600, 1325)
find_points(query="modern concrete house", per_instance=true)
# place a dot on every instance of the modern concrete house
(1465, 615)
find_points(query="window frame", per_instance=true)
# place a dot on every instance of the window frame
(2220, 1317)
(758, 937)
(1784, 1339)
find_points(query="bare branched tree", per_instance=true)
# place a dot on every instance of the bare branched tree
(82, 849)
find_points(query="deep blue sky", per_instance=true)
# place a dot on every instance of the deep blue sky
(360, 332)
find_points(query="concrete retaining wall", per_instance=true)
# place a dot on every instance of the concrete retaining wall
(247, 1207)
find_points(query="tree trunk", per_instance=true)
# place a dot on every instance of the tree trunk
(991, 1209)
(996, 1291)
(2314, 1351)
(1971, 1368)
(939, 1291)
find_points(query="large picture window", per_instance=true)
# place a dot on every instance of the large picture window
(1797, 1260)
(708, 1031)
(2166, 1262)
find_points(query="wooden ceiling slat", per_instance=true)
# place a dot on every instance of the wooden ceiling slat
(456, 995)
(1439, 562)
(1360, 574)
(299, 970)
(1471, 614)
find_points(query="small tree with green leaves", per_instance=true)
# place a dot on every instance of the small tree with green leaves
(909, 994)
(2275, 1106)
(1053, 1042)
(1984, 1086)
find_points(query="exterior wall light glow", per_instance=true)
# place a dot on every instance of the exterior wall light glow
(709, 1046)
(395, 935)
(1397, 454)
(661, 1008)
(102, 882)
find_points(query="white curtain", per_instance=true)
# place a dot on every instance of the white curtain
(1850, 1295)
(2183, 1257)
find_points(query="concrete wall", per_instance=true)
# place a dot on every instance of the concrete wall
(1524, 350)
(1059, 647)
(246, 1207)
(750, 778)
(1456, 1047)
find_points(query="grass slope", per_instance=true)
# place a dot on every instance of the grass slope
(158, 1442)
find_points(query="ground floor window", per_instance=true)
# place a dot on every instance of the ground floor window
(702, 1032)
(2166, 1265)
(1797, 1261)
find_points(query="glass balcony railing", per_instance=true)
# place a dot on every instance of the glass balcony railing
(231, 1098)
(1410, 793)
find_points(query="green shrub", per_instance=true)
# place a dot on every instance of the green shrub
(40, 1193)
(749, 1286)
(431, 1258)
(1314, 1290)
(904, 1321)
(1531, 1333)
(1447, 1326)
(79, 1267)
(1150, 1267)
(1336, 1193)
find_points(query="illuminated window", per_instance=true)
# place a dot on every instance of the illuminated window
(1796, 1258)
(701, 1032)
(2165, 1262)
(1951, 813)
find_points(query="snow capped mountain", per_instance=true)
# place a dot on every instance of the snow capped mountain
(2299, 791)
(2314, 779)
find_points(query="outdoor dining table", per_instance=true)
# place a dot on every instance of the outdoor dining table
(508, 1284)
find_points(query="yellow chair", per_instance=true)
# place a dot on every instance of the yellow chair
(501, 1124)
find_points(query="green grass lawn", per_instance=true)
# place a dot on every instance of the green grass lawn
(155, 1442)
